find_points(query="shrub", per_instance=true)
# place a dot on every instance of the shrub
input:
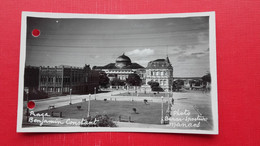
(155, 86)
(102, 121)
(35, 94)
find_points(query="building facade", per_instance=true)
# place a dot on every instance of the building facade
(160, 71)
(121, 69)
(31, 77)
(66, 79)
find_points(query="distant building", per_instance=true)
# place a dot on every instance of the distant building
(160, 71)
(121, 69)
(62, 79)
(189, 82)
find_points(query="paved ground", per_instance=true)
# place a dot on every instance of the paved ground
(59, 101)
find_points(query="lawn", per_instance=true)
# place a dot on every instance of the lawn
(146, 113)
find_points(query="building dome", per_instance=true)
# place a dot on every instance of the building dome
(123, 61)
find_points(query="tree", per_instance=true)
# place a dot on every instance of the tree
(103, 80)
(179, 82)
(174, 86)
(155, 86)
(153, 83)
(177, 85)
(206, 78)
(35, 94)
(117, 82)
(134, 80)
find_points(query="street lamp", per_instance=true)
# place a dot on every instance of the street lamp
(168, 108)
(162, 120)
(170, 88)
(89, 104)
(70, 96)
(95, 92)
(27, 98)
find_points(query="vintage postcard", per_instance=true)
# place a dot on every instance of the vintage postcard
(124, 73)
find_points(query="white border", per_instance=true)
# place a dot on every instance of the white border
(213, 71)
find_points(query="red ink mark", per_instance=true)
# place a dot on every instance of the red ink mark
(36, 32)
(31, 104)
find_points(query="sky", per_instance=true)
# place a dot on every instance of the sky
(97, 42)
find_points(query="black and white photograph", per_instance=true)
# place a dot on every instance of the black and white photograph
(124, 73)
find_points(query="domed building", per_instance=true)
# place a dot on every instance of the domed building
(159, 70)
(123, 61)
(122, 67)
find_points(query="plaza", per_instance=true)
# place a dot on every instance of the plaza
(117, 104)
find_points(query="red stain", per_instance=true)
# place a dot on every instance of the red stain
(36, 32)
(31, 104)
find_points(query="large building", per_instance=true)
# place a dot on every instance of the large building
(62, 79)
(121, 69)
(160, 71)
